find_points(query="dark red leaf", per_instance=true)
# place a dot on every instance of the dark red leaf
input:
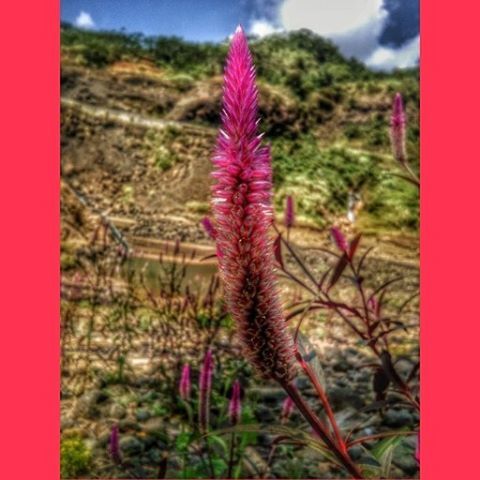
(354, 244)
(277, 251)
(339, 268)
(381, 381)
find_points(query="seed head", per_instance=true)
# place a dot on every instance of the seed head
(114, 445)
(287, 409)
(235, 405)
(289, 212)
(397, 130)
(243, 215)
(205, 385)
(209, 228)
(185, 383)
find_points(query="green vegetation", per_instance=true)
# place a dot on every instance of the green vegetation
(326, 116)
(327, 175)
(75, 457)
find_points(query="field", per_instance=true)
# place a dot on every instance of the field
(141, 296)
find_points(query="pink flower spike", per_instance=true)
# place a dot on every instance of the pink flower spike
(243, 214)
(339, 239)
(209, 228)
(397, 130)
(287, 409)
(235, 406)
(185, 383)
(205, 385)
(114, 445)
(289, 212)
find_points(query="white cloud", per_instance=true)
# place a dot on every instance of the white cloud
(384, 58)
(262, 27)
(353, 25)
(331, 17)
(84, 20)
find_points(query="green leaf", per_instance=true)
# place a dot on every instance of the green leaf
(379, 449)
(219, 466)
(383, 453)
(183, 441)
(219, 441)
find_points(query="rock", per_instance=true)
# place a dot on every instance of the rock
(356, 453)
(142, 415)
(398, 418)
(104, 437)
(155, 455)
(265, 414)
(86, 405)
(342, 365)
(130, 445)
(117, 411)
(342, 397)
(91, 443)
(407, 464)
(269, 394)
(303, 383)
(66, 422)
(153, 425)
(128, 424)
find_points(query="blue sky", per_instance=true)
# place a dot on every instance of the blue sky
(381, 33)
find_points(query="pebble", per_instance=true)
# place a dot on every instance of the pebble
(117, 411)
(142, 415)
(398, 418)
(130, 445)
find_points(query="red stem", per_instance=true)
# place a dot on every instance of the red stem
(321, 430)
(324, 399)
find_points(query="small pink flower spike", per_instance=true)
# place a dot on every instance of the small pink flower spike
(243, 214)
(114, 445)
(205, 385)
(209, 228)
(235, 406)
(287, 409)
(289, 212)
(339, 239)
(185, 383)
(397, 130)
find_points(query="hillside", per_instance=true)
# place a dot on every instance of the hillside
(139, 117)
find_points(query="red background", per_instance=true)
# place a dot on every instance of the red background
(29, 239)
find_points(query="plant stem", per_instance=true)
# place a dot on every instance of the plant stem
(321, 430)
(231, 455)
(323, 398)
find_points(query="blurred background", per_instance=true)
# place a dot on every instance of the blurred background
(141, 85)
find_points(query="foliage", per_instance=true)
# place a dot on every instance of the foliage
(321, 179)
(75, 457)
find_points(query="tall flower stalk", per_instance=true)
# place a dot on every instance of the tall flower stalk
(185, 385)
(243, 213)
(234, 413)
(114, 445)
(205, 384)
(235, 405)
(289, 214)
(398, 137)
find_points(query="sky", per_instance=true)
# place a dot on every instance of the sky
(384, 34)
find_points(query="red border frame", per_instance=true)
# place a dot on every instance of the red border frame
(29, 245)
(450, 331)
(29, 248)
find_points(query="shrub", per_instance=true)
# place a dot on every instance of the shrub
(75, 457)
